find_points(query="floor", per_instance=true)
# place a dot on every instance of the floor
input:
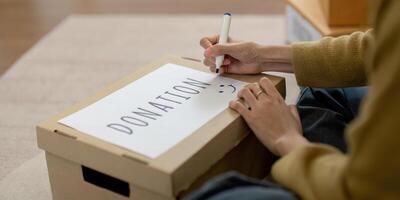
(24, 22)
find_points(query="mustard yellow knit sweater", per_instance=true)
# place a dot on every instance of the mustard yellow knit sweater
(371, 168)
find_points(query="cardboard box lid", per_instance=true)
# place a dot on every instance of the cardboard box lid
(312, 11)
(169, 173)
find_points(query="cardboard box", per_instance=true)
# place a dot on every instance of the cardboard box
(83, 167)
(344, 12)
(306, 22)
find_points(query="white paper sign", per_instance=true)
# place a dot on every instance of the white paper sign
(152, 114)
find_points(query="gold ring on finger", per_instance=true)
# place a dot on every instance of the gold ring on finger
(259, 93)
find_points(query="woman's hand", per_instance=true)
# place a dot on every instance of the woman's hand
(275, 124)
(246, 57)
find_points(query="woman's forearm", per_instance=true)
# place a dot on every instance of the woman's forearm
(275, 58)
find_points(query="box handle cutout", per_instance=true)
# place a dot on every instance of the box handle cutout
(105, 181)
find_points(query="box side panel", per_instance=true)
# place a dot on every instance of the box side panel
(250, 158)
(121, 167)
(209, 154)
(67, 183)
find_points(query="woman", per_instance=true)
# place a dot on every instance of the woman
(369, 168)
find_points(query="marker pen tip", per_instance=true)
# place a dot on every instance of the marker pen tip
(217, 71)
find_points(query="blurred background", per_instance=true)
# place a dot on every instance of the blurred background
(24, 22)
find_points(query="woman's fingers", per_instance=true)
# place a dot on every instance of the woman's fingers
(256, 89)
(225, 69)
(248, 97)
(240, 57)
(241, 51)
(269, 87)
(207, 42)
(239, 107)
(221, 49)
(294, 111)
(230, 49)
(227, 59)
(210, 64)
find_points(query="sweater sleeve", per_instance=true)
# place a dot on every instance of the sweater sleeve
(370, 170)
(332, 62)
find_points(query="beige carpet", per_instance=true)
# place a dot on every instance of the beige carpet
(84, 54)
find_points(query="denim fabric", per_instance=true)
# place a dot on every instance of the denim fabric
(234, 186)
(325, 113)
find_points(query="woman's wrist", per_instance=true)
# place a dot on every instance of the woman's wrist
(275, 58)
(286, 144)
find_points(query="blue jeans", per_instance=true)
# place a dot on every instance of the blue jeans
(324, 115)
(233, 185)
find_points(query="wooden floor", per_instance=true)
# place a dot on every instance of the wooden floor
(24, 22)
